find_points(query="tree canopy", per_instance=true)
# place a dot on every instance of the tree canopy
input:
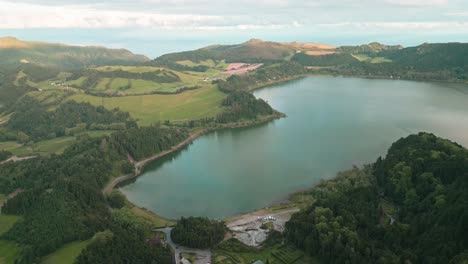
(407, 207)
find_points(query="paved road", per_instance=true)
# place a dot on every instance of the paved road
(203, 256)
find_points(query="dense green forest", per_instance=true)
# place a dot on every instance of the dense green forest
(4, 155)
(243, 105)
(35, 121)
(240, 103)
(446, 61)
(324, 60)
(409, 207)
(60, 198)
(198, 232)
(124, 242)
(145, 141)
(9, 93)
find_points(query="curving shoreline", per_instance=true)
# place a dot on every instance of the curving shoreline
(139, 165)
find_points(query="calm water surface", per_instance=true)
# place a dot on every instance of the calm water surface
(332, 124)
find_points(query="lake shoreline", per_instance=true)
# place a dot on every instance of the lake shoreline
(140, 165)
(373, 77)
(281, 203)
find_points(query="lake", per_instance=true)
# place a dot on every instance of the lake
(333, 123)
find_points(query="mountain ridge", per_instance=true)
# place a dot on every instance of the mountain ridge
(15, 51)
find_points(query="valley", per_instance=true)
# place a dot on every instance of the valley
(92, 124)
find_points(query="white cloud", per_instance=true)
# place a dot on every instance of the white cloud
(233, 15)
(400, 26)
(418, 2)
(35, 16)
(457, 14)
(24, 15)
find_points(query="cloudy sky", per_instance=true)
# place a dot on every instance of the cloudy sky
(156, 26)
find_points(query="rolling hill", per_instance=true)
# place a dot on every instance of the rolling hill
(431, 56)
(14, 51)
(254, 50)
(370, 48)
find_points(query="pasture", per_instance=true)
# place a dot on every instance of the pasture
(365, 58)
(9, 251)
(150, 109)
(46, 147)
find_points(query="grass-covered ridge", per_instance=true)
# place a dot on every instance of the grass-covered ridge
(14, 52)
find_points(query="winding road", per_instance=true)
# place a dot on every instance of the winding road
(203, 256)
(140, 164)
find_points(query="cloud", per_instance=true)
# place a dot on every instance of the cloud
(233, 15)
(418, 2)
(401, 26)
(35, 16)
(457, 14)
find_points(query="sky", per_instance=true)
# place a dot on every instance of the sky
(155, 27)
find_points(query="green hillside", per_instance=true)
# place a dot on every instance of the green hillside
(254, 50)
(324, 60)
(370, 48)
(409, 207)
(443, 61)
(432, 57)
(14, 51)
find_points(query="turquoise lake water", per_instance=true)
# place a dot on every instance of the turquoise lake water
(333, 123)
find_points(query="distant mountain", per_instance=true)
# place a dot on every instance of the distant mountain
(431, 57)
(373, 47)
(14, 51)
(439, 61)
(252, 50)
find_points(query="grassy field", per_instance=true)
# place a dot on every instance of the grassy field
(66, 254)
(221, 65)
(156, 220)
(301, 200)
(123, 86)
(46, 147)
(363, 57)
(50, 97)
(149, 109)
(136, 69)
(6, 222)
(9, 252)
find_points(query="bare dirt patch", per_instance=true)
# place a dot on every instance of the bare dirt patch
(320, 52)
(242, 68)
(248, 229)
